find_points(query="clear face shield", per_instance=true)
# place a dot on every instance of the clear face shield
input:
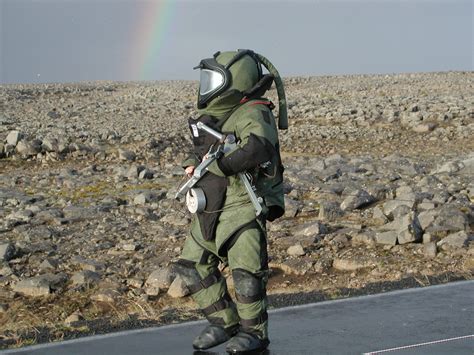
(210, 81)
(214, 80)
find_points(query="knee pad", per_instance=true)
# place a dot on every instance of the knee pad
(194, 282)
(248, 287)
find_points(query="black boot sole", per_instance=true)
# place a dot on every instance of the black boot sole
(264, 351)
(208, 347)
(259, 351)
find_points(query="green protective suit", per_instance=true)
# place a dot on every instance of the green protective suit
(240, 237)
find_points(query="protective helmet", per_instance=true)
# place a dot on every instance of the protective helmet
(240, 71)
(227, 71)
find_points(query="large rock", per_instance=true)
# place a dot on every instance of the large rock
(388, 237)
(468, 164)
(38, 233)
(152, 291)
(7, 251)
(36, 287)
(424, 127)
(131, 246)
(178, 288)
(378, 217)
(14, 137)
(430, 250)
(426, 218)
(296, 250)
(399, 223)
(441, 197)
(161, 278)
(146, 174)
(452, 219)
(292, 207)
(50, 145)
(147, 197)
(400, 211)
(405, 192)
(133, 172)
(449, 167)
(410, 230)
(311, 229)
(357, 199)
(407, 227)
(41, 285)
(455, 240)
(426, 206)
(8, 150)
(350, 264)
(410, 235)
(295, 266)
(390, 206)
(331, 173)
(63, 147)
(28, 148)
(135, 282)
(85, 277)
(73, 319)
(49, 264)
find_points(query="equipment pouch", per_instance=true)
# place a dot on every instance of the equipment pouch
(214, 188)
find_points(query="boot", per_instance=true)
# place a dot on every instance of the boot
(213, 335)
(245, 342)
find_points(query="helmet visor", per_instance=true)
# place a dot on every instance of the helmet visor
(210, 81)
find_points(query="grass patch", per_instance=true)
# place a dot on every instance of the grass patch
(102, 189)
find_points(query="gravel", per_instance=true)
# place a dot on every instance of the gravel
(378, 176)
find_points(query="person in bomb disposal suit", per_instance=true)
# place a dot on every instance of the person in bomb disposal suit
(228, 230)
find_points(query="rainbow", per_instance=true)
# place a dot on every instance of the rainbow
(150, 36)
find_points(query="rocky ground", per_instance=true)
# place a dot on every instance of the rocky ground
(379, 181)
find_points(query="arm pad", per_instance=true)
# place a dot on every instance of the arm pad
(256, 151)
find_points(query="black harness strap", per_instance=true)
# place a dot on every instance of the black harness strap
(247, 323)
(250, 299)
(217, 306)
(206, 282)
(216, 321)
(204, 257)
(250, 225)
(186, 263)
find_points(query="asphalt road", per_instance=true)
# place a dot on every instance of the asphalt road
(429, 320)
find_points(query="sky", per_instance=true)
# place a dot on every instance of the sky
(131, 40)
